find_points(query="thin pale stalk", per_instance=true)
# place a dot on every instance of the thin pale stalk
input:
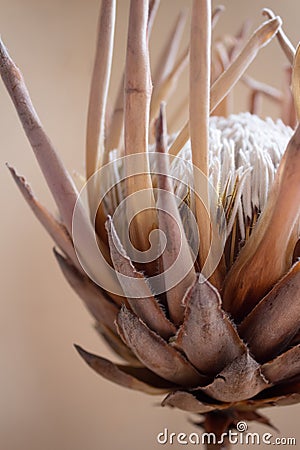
(216, 67)
(227, 48)
(255, 103)
(263, 88)
(99, 89)
(115, 129)
(233, 73)
(170, 50)
(222, 55)
(285, 43)
(224, 107)
(216, 14)
(288, 113)
(296, 81)
(162, 92)
(79, 179)
(138, 90)
(152, 10)
(258, 91)
(200, 62)
(97, 109)
(221, 62)
(260, 38)
(240, 38)
(177, 114)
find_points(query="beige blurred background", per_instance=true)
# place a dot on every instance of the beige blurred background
(49, 399)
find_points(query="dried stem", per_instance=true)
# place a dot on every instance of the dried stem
(162, 92)
(258, 91)
(288, 113)
(233, 73)
(200, 63)
(240, 39)
(115, 129)
(255, 103)
(95, 146)
(229, 78)
(99, 89)
(170, 50)
(220, 63)
(116, 124)
(137, 105)
(152, 10)
(263, 88)
(177, 114)
(283, 40)
(217, 12)
(296, 81)
(222, 54)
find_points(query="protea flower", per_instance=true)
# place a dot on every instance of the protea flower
(187, 253)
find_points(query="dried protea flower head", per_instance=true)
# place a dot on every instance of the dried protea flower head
(184, 247)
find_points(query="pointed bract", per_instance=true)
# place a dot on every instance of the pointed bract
(96, 301)
(139, 295)
(155, 353)
(55, 229)
(178, 265)
(206, 322)
(117, 345)
(284, 366)
(269, 328)
(189, 402)
(127, 376)
(241, 380)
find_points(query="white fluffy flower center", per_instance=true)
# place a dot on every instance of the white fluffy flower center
(244, 154)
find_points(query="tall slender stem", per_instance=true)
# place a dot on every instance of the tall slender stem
(138, 89)
(200, 55)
